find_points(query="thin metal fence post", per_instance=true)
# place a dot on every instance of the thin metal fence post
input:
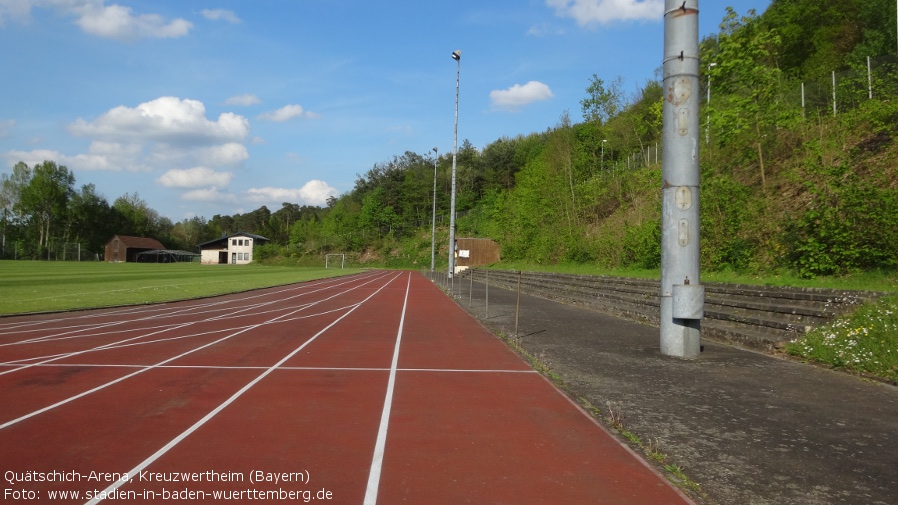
(471, 289)
(517, 306)
(487, 272)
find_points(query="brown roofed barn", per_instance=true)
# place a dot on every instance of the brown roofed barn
(121, 248)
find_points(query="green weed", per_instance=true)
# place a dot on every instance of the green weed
(865, 341)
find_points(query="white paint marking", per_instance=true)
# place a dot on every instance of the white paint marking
(294, 368)
(380, 446)
(167, 447)
(114, 345)
(169, 360)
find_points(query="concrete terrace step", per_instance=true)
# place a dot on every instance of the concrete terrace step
(758, 317)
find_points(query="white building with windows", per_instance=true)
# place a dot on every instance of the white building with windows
(235, 249)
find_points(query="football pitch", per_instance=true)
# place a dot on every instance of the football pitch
(47, 286)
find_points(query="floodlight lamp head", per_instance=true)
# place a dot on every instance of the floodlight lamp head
(434, 149)
(456, 55)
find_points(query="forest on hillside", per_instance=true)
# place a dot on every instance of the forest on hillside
(798, 170)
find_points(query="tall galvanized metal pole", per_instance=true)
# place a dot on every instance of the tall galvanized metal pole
(433, 229)
(682, 296)
(456, 55)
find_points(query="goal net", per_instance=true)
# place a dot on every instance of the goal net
(334, 259)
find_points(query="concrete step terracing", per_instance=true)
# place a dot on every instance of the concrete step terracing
(758, 317)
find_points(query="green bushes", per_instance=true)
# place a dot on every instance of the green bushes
(849, 224)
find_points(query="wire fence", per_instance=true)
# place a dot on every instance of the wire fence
(839, 92)
(55, 251)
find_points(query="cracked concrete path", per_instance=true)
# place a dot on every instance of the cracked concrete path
(749, 428)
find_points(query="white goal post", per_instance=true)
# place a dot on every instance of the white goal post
(327, 258)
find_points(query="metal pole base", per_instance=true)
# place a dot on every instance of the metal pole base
(680, 338)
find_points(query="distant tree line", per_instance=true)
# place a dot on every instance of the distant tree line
(797, 172)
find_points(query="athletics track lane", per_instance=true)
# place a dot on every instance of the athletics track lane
(468, 421)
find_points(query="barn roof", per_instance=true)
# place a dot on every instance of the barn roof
(138, 242)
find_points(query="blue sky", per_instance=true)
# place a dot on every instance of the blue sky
(207, 107)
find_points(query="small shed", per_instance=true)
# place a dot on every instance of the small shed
(167, 256)
(122, 248)
(475, 252)
(236, 249)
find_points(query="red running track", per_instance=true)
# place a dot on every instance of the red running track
(367, 389)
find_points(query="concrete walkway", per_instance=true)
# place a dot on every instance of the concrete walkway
(747, 427)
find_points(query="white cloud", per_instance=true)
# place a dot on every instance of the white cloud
(590, 12)
(32, 158)
(96, 18)
(222, 15)
(245, 99)
(212, 195)
(231, 153)
(517, 96)
(18, 9)
(166, 119)
(197, 177)
(543, 30)
(6, 127)
(118, 22)
(314, 192)
(286, 113)
(162, 134)
(89, 161)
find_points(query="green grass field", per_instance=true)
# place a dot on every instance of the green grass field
(45, 286)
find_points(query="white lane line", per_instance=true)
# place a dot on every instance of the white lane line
(193, 310)
(380, 445)
(169, 360)
(120, 343)
(175, 441)
(115, 381)
(294, 368)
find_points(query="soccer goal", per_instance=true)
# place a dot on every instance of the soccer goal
(327, 261)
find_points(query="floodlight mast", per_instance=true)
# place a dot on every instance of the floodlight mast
(682, 296)
(456, 55)
(433, 229)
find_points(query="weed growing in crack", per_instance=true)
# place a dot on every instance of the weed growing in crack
(653, 449)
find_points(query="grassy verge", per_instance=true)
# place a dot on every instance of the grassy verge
(865, 341)
(38, 286)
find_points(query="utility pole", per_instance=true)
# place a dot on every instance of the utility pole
(682, 296)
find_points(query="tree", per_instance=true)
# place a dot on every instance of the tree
(136, 217)
(281, 220)
(46, 196)
(221, 225)
(499, 164)
(90, 219)
(750, 107)
(376, 214)
(339, 227)
(602, 103)
(10, 190)
(190, 232)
